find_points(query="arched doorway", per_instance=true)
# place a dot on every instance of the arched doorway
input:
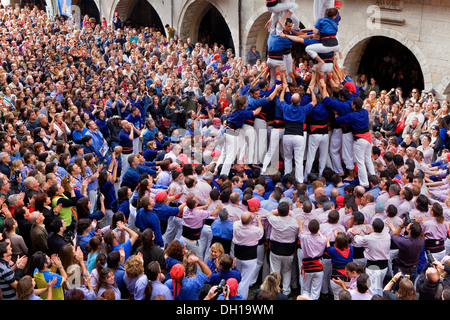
(144, 14)
(203, 20)
(391, 64)
(355, 48)
(88, 7)
(257, 35)
(214, 29)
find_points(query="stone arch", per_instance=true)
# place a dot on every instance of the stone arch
(125, 7)
(354, 50)
(192, 14)
(255, 33)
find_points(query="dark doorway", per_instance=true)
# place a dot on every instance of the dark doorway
(144, 15)
(88, 7)
(214, 29)
(391, 64)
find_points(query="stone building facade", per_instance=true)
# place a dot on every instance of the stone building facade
(422, 26)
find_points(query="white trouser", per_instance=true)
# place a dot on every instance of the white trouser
(205, 239)
(261, 139)
(439, 255)
(125, 161)
(326, 282)
(132, 218)
(376, 277)
(335, 289)
(326, 68)
(273, 153)
(314, 49)
(320, 6)
(137, 145)
(447, 246)
(93, 200)
(294, 147)
(347, 150)
(250, 141)
(260, 254)
(363, 155)
(311, 284)
(300, 264)
(287, 58)
(282, 265)
(247, 269)
(317, 142)
(393, 253)
(107, 220)
(272, 64)
(232, 148)
(335, 150)
(279, 11)
(173, 231)
(193, 245)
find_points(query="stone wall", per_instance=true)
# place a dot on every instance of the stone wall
(420, 25)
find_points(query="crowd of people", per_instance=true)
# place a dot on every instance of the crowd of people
(139, 166)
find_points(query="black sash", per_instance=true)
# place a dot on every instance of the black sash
(282, 249)
(245, 252)
(191, 234)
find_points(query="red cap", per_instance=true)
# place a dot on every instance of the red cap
(160, 196)
(350, 86)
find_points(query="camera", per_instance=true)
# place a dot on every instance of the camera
(430, 258)
(221, 285)
(407, 219)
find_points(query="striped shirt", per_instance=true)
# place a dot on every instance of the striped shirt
(7, 277)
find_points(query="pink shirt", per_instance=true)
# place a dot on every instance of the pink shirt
(434, 230)
(194, 218)
(246, 235)
(313, 245)
(284, 229)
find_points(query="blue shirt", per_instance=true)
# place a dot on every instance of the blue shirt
(164, 211)
(222, 229)
(190, 287)
(217, 276)
(147, 219)
(326, 25)
(110, 196)
(83, 241)
(238, 117)
(127, 246)
(357, 120)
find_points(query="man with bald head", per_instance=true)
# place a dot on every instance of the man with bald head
(429, 285)
(294, 115)
(235, 210)
(246, 236)
(38, 233)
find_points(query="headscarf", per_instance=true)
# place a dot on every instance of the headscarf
(177, 273)
(253, 204)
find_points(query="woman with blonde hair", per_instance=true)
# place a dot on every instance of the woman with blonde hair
(272, 284)
(215, 251)
(134, 274)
